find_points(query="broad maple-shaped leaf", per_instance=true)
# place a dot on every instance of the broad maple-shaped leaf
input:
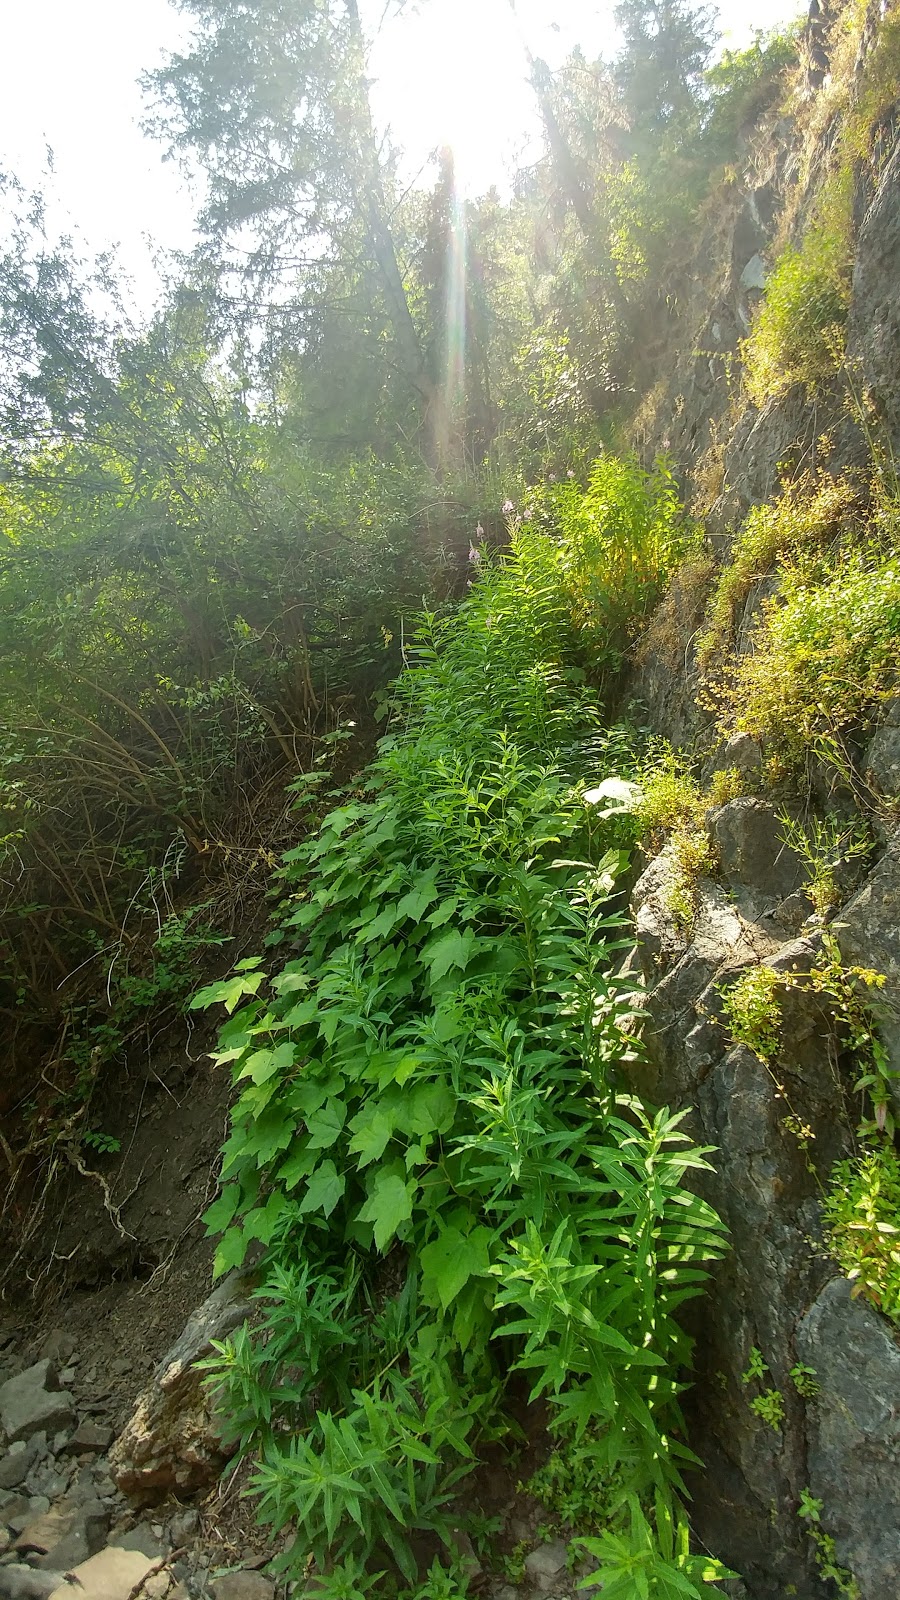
(389, 1205)
(453, 949)
(324, 1189)
(450, 1261)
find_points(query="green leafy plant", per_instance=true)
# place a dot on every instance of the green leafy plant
(756, 1368)
(862, 1225)
(801, 521)
(823, 657)
(769, 1407)
(798, 333)
(805, 1380)
(752, 1010)
(621, 538)
(826, 846)
(672, 809)
(105, 1143)
(429, 1140)
(810, 1511)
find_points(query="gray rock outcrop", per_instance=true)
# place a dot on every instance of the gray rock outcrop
(173, 1443)
(853, 1429)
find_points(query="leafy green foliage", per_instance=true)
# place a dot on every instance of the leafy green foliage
(620, 540)
(742, 83)
(824, 656)
(756, 1366)
(753, 1012)
(798, 334)
(752, 1007)
(805, 1380)
(810, 1511)
(769, 1407)
(862, 1221)
(428, 1139)
(826, 846)
(807, 514)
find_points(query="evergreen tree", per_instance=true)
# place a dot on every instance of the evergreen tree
(659, 72)
(271, 96)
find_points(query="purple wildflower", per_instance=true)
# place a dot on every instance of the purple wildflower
(552, 476)
(508, 508)
(474, 553)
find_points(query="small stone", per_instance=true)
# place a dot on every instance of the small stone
(544, 1564)
(16, 1464)
(58, 1346)
(84, 1538)
(67, 1376)
(88, 1438)
(29, 1403)
(183, 1527)
(141, 1539)
(53, 1484)
(243, 1586)
(754, 273)
(37, 1506)
(5, 1540)
(156, 1528)
(25, 1583)
(43, 1532)
(121, 1366)
(12, 1505)
(109, 1575)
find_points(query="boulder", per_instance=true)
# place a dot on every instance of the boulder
(17, 1463)
(882, 760)
(173, 1443)
(868, 932)
(140, 1538)
(752, 851)
(546, 1565)
(109, 1575)
(32, 1402)
(65, 1535)
(853, 1431)
(741, 753)
(874, 325)
(25, 1583)
(765, 1184)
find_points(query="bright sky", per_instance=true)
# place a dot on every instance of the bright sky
(451, 72)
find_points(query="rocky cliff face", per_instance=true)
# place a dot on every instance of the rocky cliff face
(777, 1126)
(730, 453)
(777, 1292)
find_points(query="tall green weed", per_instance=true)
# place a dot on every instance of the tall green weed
(618, 542)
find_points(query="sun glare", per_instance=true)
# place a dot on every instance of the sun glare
(454, 74)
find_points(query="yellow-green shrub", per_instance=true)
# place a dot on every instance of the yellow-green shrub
(809, 512)
(825, 654)
(619, 541)
(798, 335)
